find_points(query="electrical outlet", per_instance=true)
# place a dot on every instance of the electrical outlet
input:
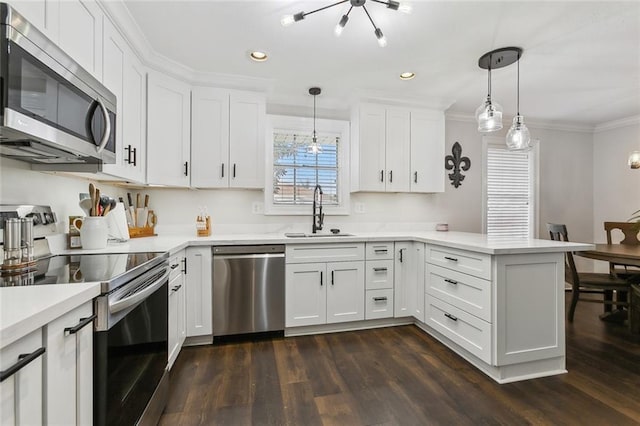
(359, 207)
(257, 207)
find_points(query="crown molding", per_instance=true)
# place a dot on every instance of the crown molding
(615, 124)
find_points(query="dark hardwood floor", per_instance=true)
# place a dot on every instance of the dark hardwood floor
(402, 376)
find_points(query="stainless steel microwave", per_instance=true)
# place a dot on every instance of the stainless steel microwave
(53, 113)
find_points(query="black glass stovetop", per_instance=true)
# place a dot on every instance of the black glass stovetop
(71, 269)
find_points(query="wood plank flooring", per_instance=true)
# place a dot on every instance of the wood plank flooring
(402, 376)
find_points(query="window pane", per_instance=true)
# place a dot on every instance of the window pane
(297, 169)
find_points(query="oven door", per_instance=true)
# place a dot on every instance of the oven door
(130, 357)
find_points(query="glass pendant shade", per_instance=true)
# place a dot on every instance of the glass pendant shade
(634, 160)
(489, 116)
(518, 136)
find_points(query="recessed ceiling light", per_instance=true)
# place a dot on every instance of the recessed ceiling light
(258, 56)
(407, 75)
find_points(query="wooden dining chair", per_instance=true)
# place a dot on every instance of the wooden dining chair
(630, 231)
(588, 282)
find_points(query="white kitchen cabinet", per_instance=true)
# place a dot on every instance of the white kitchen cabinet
(80, 33)
(228, 131)
(396, 149)
(122, 74)
(69, 367)
(21, 394)
(419, 281)
(177, 307)
(43, 14)
(404, 276)
(168, 131)
(198, 296)
(320, 291)
(427, 151)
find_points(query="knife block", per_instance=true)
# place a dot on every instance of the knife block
(144, 231)
(203, 226)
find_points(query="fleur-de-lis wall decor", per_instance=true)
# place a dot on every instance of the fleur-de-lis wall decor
(456, 162)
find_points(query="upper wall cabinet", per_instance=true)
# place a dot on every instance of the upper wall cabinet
(80, 33)
(168, 131)
(396, 149)
(123, 74)
(227, 144)
(41, 13)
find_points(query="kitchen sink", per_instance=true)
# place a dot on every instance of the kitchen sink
(303, 235)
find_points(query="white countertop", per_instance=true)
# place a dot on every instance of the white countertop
(23, 309)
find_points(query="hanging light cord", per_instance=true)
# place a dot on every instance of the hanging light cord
(369, 16)
(323, 8)
(518, 91)
(314, 119)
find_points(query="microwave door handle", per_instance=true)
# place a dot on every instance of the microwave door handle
(107, 129)
(139, 296)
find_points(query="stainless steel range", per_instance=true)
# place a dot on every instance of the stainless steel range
(130, 325)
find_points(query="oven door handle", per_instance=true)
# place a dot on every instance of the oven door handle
(138, 296)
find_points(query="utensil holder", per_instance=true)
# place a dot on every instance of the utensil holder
(203, 226)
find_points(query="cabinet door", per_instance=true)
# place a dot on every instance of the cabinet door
(70, 368)
(247, 114)
(404, 288)
(175, 286)
(133, 122)
(210, 138)
(345, 291)
(427, 151)
(198, 296)
(397, 149)
(168, 112)
(306, 296)
(420, 276)
(80, 34)
(43, 14)
(21, 393)
(372, 148)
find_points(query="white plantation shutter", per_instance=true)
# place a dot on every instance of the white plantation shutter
(510, 192)
(296, 171)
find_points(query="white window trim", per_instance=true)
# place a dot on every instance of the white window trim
(304, 124)
(535, 147)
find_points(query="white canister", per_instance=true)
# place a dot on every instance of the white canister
(93, 232)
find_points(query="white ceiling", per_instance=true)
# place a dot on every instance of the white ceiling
(581, 60)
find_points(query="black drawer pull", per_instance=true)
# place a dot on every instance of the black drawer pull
(320, 278)
(453, 259)
(176, 288)
(401, 255)
(454, 282)
(331, 277)
(451, 317)
(83, 322)
(380, 299)
(380, 250)
(175, 265)
(379, 269)
(24, 360)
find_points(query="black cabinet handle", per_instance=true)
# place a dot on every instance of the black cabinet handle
(83, 322)
(380, 250)
(222, 170)
(175, 265)
(415, 177)
(380, 299)
(186, 168)
(381, 175)
(451, 281)
(453, 259)
(135, 157)
(390, 176)
(401, 250)
(234, 170)
(379, 269)
(128, 149)
(332, 278)
(176, 288)
(320, 278)
(24, 360)
(184, 262)
(451, 317)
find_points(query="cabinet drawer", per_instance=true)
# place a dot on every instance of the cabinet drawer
(382, 250)
(175, 262)
(379, 304)
(379, 274)
(307, 253)
(468, 331)
(468, 262)
(463, 291)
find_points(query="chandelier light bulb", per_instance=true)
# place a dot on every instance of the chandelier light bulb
(634, 160)
(489, 116)
(405, 8)
(288, 20)
(340, 26)
(382, 40)
(518, 136)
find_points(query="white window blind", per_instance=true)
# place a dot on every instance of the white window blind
(510, 192)
(297, 170)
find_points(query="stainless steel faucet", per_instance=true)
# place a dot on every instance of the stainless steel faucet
(317, 205)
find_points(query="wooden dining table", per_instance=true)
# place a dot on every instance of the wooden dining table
(621, 254)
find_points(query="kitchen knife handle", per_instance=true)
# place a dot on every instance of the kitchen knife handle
(146, 200)
(130, 199)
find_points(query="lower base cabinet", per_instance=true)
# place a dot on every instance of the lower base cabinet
(177, 309)
(198, 280)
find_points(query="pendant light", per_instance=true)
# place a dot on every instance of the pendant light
(634, 160)
(518, 136)
(314, 148)
(489, 114)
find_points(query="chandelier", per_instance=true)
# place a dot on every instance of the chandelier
(382, 41)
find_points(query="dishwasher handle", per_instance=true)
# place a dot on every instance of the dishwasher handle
(249, 256)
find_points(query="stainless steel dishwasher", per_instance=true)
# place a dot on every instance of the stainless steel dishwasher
(248, 289)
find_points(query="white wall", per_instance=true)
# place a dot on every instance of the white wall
(616, 187)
